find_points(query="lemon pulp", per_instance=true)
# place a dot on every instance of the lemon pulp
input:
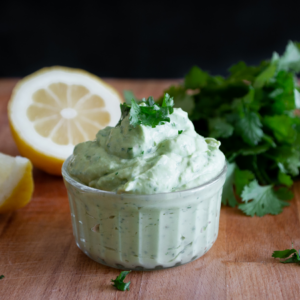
(16, 182)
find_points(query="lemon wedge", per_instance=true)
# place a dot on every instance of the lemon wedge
(53, 109)
(16, 182)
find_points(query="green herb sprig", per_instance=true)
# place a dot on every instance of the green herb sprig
(253, 112)
(119, 281)
(286, 254)
(149, 113)
(2, 276)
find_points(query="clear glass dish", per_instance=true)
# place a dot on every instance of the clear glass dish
(145, 232)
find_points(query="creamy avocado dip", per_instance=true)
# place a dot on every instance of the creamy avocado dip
(141, 212)
(146, 160)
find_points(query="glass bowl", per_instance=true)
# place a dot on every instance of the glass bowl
(145, 232)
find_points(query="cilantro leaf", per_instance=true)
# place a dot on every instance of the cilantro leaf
(265, 76)
(285, 254)
(287, 158)
(264, 200)
(219, 128)
(249, 127)
(285, 179)
(228, 196)
(269, 140)
(119, 281)
(297, 98)
(128, 96)
(180, 131)
(290, 60)
(135, 111)
(148, 113)
(255, 150)
(241, 179)
(283, 98)
(1, 276)
(181, 98)
(167, 102)
(196, 78)
(241, 71)
(282, 127)
(284, 193)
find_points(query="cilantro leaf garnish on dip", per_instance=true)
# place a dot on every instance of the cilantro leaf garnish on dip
(153, 149)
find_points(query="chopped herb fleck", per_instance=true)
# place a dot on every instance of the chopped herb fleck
(180, 131)
(118, 282)
(1, 276)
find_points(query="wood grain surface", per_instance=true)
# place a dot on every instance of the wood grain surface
(40, 260)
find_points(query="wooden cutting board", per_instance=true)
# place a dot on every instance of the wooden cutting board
(40, 260)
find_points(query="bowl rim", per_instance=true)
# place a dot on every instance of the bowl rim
(88, 189)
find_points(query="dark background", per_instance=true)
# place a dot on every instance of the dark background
(134, 39)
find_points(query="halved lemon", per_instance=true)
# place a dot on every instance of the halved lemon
(16, 182)
(53, 109)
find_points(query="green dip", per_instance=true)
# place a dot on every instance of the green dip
(146, 160)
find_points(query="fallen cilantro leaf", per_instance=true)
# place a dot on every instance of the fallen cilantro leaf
(118, 282)
(1, 276)
(180, 131)
(287, 253)
(264, 200)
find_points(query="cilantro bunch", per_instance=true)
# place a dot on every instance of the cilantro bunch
(149, 113)
(253, 112)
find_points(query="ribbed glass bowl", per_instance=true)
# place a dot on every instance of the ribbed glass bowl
(145, 232)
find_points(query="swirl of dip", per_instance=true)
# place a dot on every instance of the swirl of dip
(146, 160)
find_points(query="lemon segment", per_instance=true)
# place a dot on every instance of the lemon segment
(16, 182)
(56, 108)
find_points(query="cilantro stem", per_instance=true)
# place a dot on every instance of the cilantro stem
(233, 156)
(256, 170)
(265, 175)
